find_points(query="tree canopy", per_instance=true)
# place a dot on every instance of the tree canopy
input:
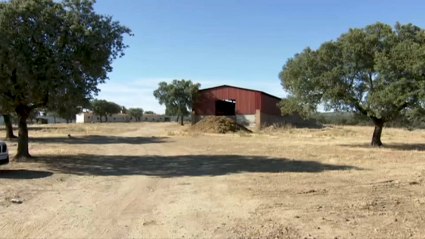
(177, 96)
(68, 113)
(34, 115)
(169, 110)
(149, 112)
(51, 49)
(69, 106)
(377, 71)
(104, 108)
(137, 113)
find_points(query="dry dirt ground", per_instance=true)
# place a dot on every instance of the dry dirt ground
(153, 180)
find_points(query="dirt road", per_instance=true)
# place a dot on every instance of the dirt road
(148, 182)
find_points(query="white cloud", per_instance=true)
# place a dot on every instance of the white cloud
(139, 93)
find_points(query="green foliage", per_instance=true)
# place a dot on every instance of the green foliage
(104, 108)
(290, 105)
(69, 106)
(34, 115)
(342, 118)
(68, 113)
(177, 96)
(349, 118)
(169, 110)
(137, 113)
(149, 112)
(377, 71)
(52, 49)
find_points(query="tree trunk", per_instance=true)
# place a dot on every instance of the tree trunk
(178, 116)
(9, 127)
(106, 118)
(181, 120)
(23, 112)
(376, 137)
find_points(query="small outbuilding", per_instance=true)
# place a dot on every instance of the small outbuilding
(248, 107)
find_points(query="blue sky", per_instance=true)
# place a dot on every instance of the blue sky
(237, 42)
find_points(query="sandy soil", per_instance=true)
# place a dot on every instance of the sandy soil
(153, 180)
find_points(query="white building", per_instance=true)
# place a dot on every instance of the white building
(50, 119)
(88, 117)
(177, 118)
(54, 120)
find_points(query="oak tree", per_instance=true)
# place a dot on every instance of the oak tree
(69, 102)
(377, 71)
(50, 48)
(34, 114)
(177, 96)
(171, 111)
(68, 112)
(6, 112)
(104, 108)
(9, 127)
(137, 113)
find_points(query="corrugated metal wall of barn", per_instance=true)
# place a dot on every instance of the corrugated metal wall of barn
(247, 101)
(269, 105)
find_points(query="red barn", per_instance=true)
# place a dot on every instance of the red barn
(248, 107)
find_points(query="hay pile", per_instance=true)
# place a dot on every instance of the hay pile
(218, 125)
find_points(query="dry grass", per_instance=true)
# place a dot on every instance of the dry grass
(276, 128)
(322, 183)
(355, 139)
(347, 144)
(84, 129)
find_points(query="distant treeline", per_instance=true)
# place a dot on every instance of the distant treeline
(345, 118)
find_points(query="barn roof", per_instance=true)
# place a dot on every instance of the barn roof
(221, 86)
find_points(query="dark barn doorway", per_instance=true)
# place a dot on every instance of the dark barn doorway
(225, 107)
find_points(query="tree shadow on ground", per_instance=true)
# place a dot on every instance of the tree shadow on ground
(402, 146)
(98, 139)
(177, 166)
(23, 174)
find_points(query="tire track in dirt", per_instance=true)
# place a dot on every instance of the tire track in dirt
(139, 205)
(155, 207)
